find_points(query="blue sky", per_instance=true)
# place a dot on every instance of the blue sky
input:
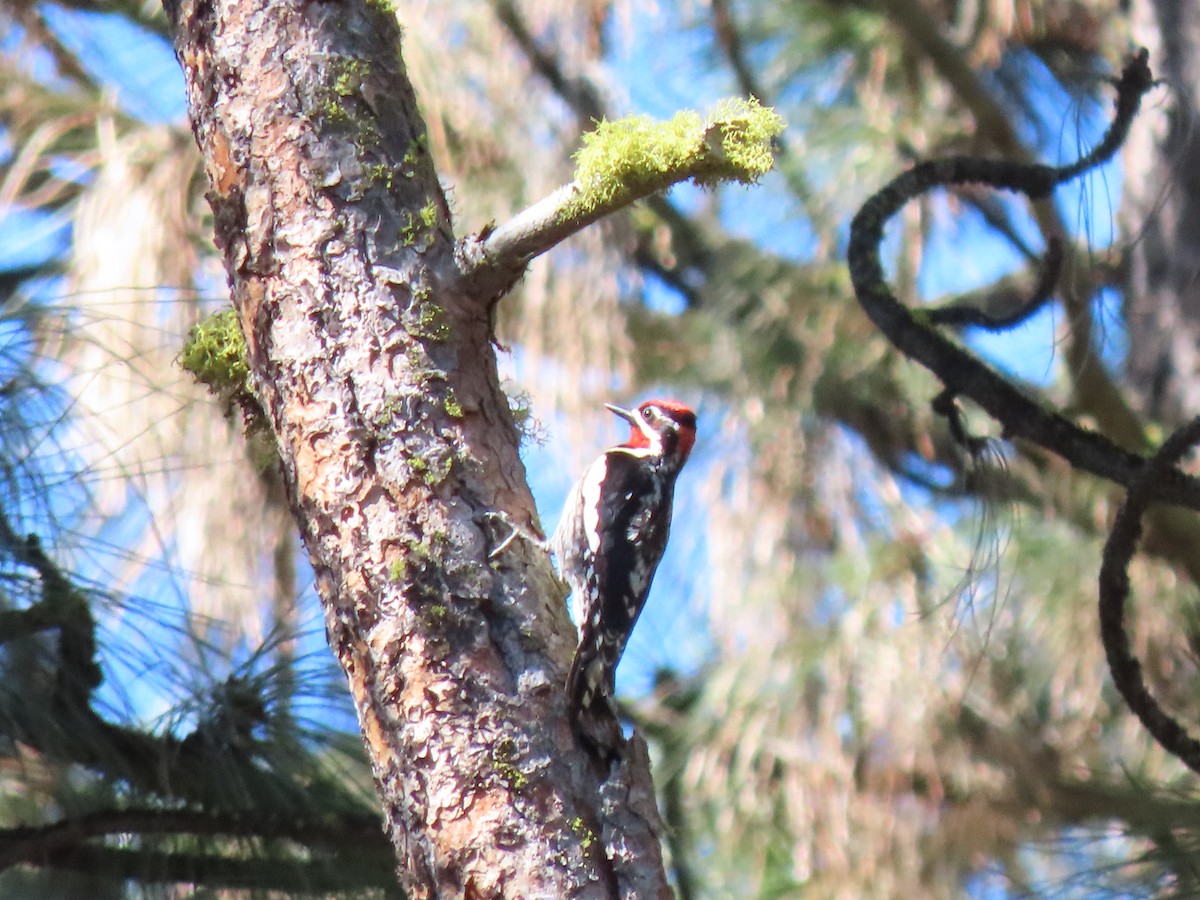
(139, 67)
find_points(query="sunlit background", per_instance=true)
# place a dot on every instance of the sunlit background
(869, 666)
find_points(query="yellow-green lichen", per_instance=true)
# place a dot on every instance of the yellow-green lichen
(215, 355)
(635, 156)
(429, 214)
(389, 411)
(586, 836)
(415, 553)
(383, 6)
(346, 75)
(413, 154)
(409, 230)
(344, 79)
(434, 617)
(431, 323)
(434, 467)
(418, 361)
(417, 230)
(504, 755)
(380, 173)
(399, 569)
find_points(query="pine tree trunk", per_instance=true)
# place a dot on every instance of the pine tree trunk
(376, 370)
(1161, 218)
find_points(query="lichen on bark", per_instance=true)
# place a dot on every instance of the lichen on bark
(375, 366)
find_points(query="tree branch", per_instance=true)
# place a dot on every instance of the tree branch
(690, 245)
(38, 845)
(730, 41)
(296, 877)
(963, 373)
(1001, 309)
(62, 725)
(622, 162)
(1114, 591)
(1095, 391)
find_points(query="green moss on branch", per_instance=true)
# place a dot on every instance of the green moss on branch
(629, 158)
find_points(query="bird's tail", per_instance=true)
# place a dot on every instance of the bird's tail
(590, 701)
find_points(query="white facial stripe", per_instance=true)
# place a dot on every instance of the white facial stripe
(652, 436)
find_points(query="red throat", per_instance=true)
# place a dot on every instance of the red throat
(637, 438)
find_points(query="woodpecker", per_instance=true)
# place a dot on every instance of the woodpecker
(608, 544)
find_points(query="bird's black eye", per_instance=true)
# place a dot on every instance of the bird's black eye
(649, 413)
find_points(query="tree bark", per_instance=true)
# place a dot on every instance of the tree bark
(374, 362)
(1161, 219)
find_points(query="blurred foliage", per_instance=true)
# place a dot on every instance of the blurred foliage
(902, 690)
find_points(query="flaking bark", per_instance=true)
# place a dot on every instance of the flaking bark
(376, 369)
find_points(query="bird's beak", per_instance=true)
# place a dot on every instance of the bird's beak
(627, 414)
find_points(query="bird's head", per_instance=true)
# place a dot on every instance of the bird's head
(666, 428)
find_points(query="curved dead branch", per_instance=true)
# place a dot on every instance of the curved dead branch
(1114, 591)
(916, 335)
(963, 373)
(965, 315)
